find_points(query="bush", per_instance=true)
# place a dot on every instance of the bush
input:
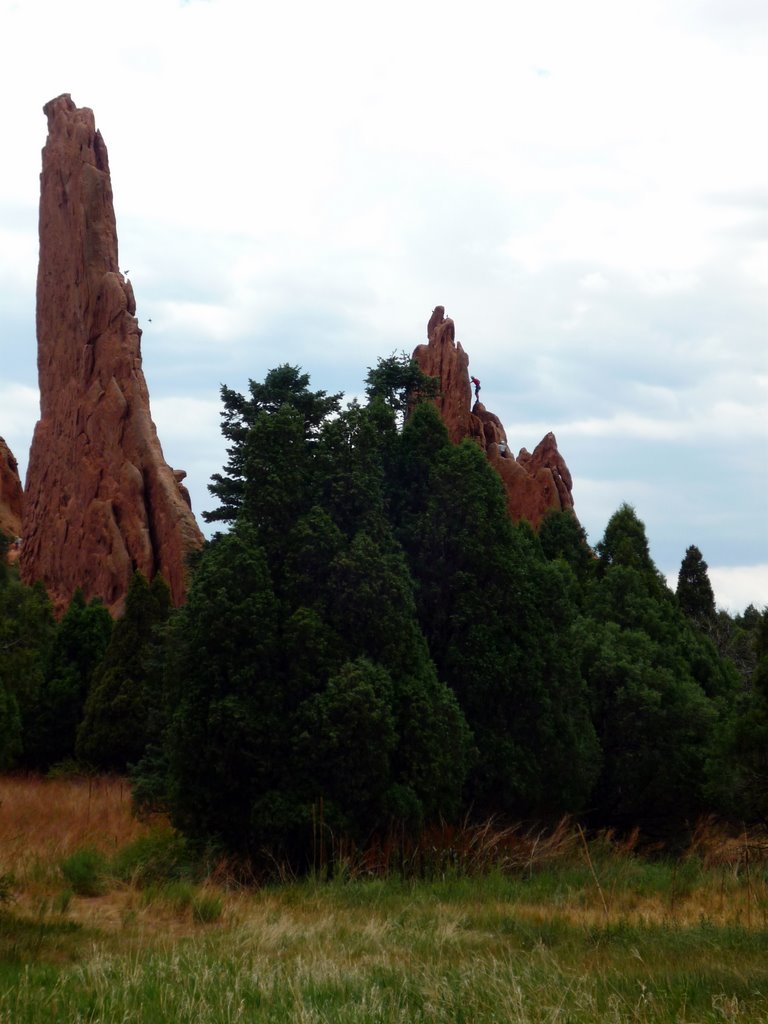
(207, 908)
(84, 870)
(178, 895)
(160, 856)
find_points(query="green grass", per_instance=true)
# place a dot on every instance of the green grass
(104, 920)
(474, 950)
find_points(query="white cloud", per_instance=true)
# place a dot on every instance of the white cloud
(301, 182)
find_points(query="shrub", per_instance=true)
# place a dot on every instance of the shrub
(160, 856)
(84, 870)
(207, 908)
(178, 895)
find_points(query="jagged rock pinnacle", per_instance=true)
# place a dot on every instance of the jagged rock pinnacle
(100, 499)
(534, 483)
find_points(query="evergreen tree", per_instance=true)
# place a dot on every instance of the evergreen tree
(562, 536)
(495, 616)
(229, 740)
(321, 663)
(694, 591)
(79, 644)
(113, 732)
(624, 542)
(400, 384)
(659, 691)
(739, 776)
(347, 737)
(270, 434)
(26, 630)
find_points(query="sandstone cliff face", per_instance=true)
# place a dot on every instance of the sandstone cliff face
(11, 494)
(534, 482)
(100, 500)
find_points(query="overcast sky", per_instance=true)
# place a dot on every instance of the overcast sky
(583, 186)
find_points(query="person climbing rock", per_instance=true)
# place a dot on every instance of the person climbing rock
(476, 382)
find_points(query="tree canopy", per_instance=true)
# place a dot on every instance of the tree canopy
(374, 645)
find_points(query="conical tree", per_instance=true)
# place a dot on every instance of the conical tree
(694, 590)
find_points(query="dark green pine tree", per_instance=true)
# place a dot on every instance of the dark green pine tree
(113, 732)
(739, 776)
(298, 654)
(348, 737)
(496, 618)
(26, 632)
(229, 751)
(361, 589)
(625, 542)
(694, 590)
(399, 383)
(562, 537)
(79, 645)
(659, 691)
(271, 433)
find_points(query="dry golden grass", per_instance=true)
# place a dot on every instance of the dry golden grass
(43, 820)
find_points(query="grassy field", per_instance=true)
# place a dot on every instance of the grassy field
(105, 919)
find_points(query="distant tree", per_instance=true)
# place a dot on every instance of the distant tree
(624, 542)
(355, 453)
(269, 433)
(660, 694)
(562, 536)
(228, 741)
(298, 654)
(113, 731)
(10, 728)
(400, 383)
(694, 590)
(496, 618)
(26, 631)
(79, 644)
(740, 768)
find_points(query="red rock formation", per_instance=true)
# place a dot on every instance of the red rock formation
(534, 483)
(11, 494)
(101, 501)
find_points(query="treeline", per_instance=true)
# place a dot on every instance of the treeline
(374, 645)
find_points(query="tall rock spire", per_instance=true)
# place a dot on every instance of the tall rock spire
(535, 483)
(100, 499)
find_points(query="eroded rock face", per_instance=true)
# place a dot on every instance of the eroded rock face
(11, 494)
(100, 501)
(534, 482)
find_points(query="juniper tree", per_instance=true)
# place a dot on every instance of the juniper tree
(694, 590)
(79, 645)
(113, 731)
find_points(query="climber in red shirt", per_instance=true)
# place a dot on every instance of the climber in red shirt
(476, 382)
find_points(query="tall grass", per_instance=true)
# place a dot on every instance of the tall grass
(465, 924)
(44, 820)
